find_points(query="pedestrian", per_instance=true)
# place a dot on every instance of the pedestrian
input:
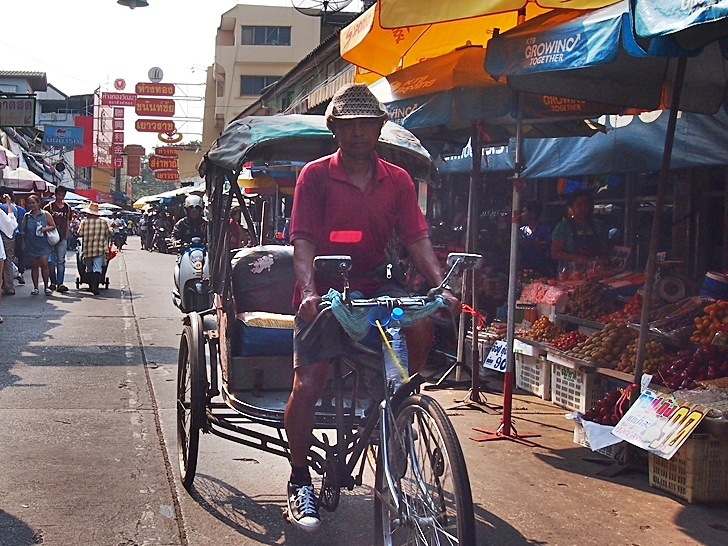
(94, 232)
(73, 231)
(8, 225)
(143, 230)
(12, 245)
(61, 213)
(36, 224)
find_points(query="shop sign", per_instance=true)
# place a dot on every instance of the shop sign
(170, 175)
(155, 126)
(497, 357)
(155, 89)
(118, 99)
(117, 162)
(117, 137)
(118, 113)
(154, 107)
(157, 163)
(116, 149)
(63, 136)
(659, 423)
(167, 151)
(15, 112)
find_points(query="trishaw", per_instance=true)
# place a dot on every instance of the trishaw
(235, 360)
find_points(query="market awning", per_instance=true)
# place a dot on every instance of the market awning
(692, 27)
(8, 160)
(22, 179)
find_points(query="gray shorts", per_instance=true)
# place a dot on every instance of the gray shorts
(322, 340)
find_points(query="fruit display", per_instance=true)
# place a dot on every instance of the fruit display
(633, 307)
(677, 320)
(605, 347)
(587, 301)
(566, 342)
(716, 315)
(655, 357)
(543, 330)
(610, 409)
(706, 362)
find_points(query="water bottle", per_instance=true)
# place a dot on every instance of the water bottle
(392, 370)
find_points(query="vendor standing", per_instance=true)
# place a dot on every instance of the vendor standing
(579, 237)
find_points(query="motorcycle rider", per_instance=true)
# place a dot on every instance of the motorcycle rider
(192, 225)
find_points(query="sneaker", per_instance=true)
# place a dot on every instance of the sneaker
(52, 287)
(48, 292)
(302, 509)
(62, 288)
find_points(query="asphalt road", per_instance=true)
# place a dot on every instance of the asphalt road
(88, 452)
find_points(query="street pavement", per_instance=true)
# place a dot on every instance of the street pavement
(88, 450)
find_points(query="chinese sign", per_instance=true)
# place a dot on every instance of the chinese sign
(16, 112)
(659, 423)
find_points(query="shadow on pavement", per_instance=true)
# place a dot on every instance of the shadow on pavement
(13, 532)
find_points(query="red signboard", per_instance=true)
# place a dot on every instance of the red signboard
(118, 137)
(155, 89)
(116, 149)
(118, 113)
(155, 126)
(155, 107)
(167, 151)
(166, 175)
(160, 163)
(84, 156)
(117, 124)
(118, 99)
(117, 162)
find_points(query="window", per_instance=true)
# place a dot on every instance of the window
(252, 85)
(7, 88)
(266, 36)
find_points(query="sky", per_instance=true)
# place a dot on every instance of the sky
(85, 44)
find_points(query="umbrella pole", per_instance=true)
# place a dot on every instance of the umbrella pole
(656, 222)
(506, 429)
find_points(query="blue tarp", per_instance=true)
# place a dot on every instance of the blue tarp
(637, 146)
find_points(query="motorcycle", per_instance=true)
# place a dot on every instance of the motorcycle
(161, 241)
(191, 274)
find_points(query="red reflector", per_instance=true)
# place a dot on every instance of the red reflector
(345, 236)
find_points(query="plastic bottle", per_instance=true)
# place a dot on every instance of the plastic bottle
(397, 340)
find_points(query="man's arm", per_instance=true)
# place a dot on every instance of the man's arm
(303, 254)
(428, 265)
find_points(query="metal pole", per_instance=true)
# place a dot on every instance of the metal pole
(656, 222)
(505, 428)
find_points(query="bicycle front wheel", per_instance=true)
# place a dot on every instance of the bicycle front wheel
(429, 501)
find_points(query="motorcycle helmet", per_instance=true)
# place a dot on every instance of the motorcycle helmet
(193, 201)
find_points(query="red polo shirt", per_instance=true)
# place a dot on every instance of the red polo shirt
(330, 211)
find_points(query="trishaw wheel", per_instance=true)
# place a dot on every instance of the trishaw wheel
(191, 398)
(429, 480)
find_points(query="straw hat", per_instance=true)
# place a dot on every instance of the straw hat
(93, 209)
(355, 100)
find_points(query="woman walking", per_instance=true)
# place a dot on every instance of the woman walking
(36, 224)
(8, 224)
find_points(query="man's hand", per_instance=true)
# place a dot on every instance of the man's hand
(452, 301)
(309, 307)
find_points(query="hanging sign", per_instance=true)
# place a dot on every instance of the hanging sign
(155, 126)
(63, 136)
(117, 162)
(167, 175)
(167, 151)
(659, 423)
(155, 74)
(118, 113)
(118, 99)
(155, 89)
(15, 112)
(157, 163)
(154, 107)
(497, 357)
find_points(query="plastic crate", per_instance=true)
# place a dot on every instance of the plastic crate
(698, 472)
(533, 374)
(613, 452)
(575, 390)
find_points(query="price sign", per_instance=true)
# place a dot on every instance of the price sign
(659, 423)
(497, 357)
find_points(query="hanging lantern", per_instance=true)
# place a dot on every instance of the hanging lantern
(133, 3)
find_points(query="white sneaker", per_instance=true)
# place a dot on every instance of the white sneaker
(302, 510)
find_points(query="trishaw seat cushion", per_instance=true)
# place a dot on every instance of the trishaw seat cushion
(263, 334)
(263, 279)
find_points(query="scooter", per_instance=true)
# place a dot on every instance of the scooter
(161, 241)
(191, 279)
